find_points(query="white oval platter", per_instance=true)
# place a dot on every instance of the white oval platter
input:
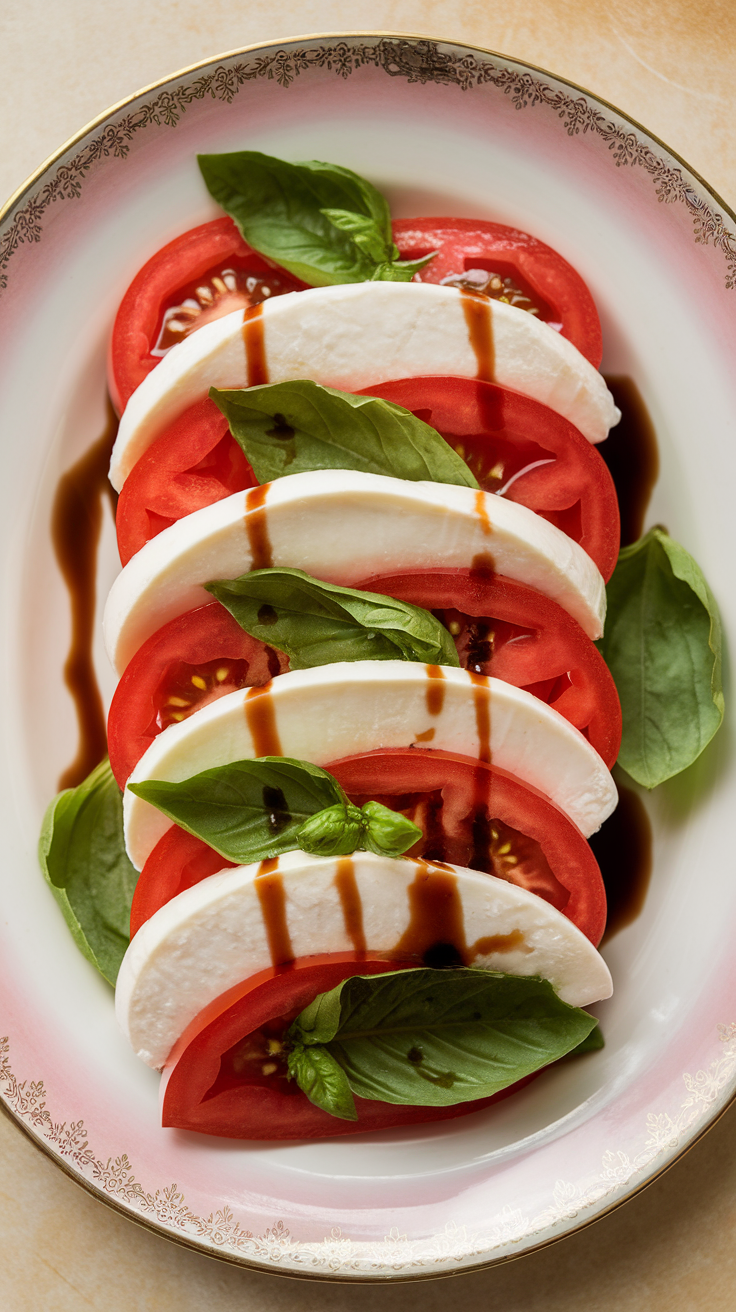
(442, 129)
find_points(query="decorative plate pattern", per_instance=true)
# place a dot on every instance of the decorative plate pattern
(338, 1254)
(416, 61)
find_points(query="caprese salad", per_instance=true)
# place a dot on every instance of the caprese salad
(369, 699)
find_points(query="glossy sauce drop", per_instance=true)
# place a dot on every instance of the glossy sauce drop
(76, 522)
(623, 849)
(256, 526)
(269, 887)
(632, 457)
(435, 694)
(477, 311)
(261, 720)
(481, 511)
(436, 932)
(255, 347)
(352, 907)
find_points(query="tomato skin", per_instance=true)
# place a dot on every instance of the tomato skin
(464, 244)
(195, 639)
(182, 261)
(191, 1100)
(193, 463)
(557, 863)
(571, 486)
(555, 645)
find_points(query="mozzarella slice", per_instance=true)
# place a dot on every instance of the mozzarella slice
(361, 334)
(344, 526)
(324, 714)
(221, 932)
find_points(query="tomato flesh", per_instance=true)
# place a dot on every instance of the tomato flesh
(226, 1077)
(202, 274)
(506, 264)
(191, 661)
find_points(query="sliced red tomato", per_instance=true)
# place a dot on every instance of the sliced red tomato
(508, 265)
(516, 448)
(508, 631)
(500, 627)
(193, 463)
(189, 662)
(226, 1075)
(199, 276)
(470, 813)
(522, 451)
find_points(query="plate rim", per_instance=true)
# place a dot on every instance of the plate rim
(96, 1191)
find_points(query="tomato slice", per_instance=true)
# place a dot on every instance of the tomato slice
(225, 1076)
(194, 463)
(470, 813)
(522, 451)
(205, 273)
(501, 628)
(189, 662)
(511, 632)
(516, 447)
(508, 265)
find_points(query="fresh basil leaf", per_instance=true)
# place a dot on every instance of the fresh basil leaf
(435, 1038)
(662, 644)
(323, 1080)
(293, 427)
(84, 862)
(323, 223)
(318, 623)
(246, 810)
(336, 831)
(345, 828)
(387, 832)
(592, 1043)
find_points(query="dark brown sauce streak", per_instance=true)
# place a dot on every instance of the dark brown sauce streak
(76, 522)
(260, 718)
(435, 694)
(623, 849)
(352, 907)
(272, 899)
(482, 699)
(632, 457)
(256, 526)
(436, 930)
(255, 347)
(477, 311)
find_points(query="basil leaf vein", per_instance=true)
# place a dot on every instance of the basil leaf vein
(323, 223)
(436, 1038)
(83, 859)
(318, 623)
(298, 426)
(662, 643)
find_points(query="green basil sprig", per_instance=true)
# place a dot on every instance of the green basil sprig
(428, 1038)
(662, 644)
(318, 623)
(84, 862)
(251, 810)
(298, 426)
(323, 223)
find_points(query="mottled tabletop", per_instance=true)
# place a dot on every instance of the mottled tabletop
(670, 64)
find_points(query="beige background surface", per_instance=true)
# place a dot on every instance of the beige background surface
(671, 64)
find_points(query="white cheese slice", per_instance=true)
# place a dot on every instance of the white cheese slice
(344, 526)
(357, 336)
(215, 935)
(324, 714)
